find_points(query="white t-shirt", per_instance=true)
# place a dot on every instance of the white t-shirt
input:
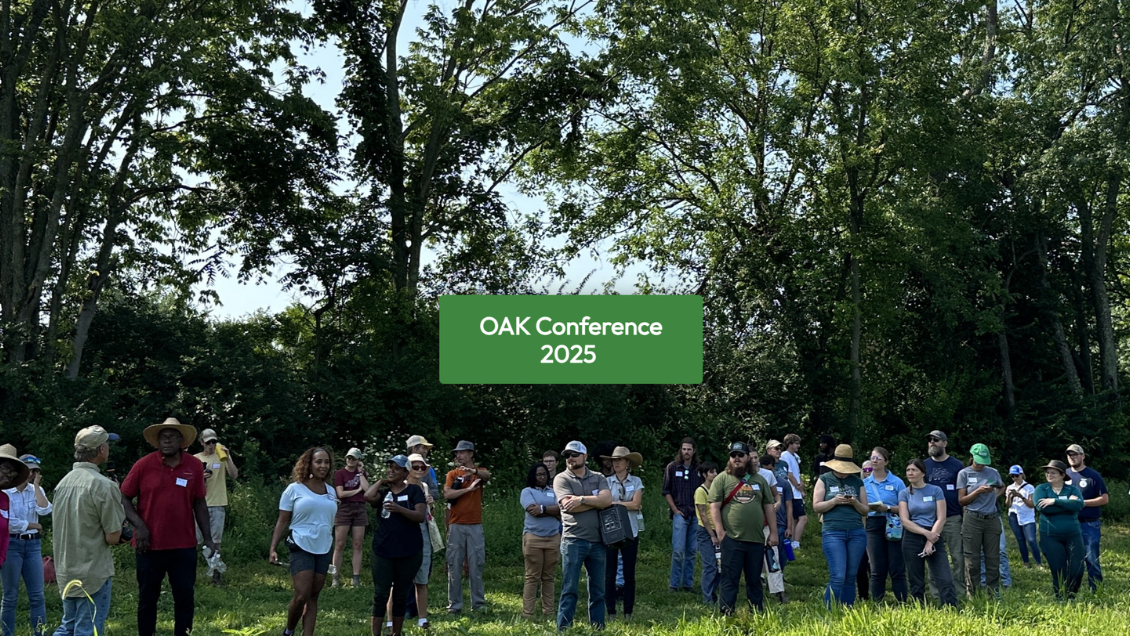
(1024, 514)
(769, 476)
(794, 470)
(312, 517)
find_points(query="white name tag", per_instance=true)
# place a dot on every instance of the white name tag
(4, 513)
(678, 473)
(215, 466)
(1063, 497)
(780, 489)
(182, 482)
(834, 489)
(629, 488)
(972, 480)
(928, 498)
(551, 495)
(402, 498)
(889, 487)
(949, 486)
(1082, 483)
(596, 493)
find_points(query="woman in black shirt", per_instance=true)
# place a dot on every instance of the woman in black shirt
(398, 546)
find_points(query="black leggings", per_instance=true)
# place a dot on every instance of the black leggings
(395, 576)
(630, 549)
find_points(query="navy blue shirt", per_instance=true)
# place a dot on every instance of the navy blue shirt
(944, 476)
(1091, 483)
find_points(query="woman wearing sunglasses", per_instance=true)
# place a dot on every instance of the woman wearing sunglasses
(417, 473)
(27, 502)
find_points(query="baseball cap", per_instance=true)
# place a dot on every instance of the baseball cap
(740, 447)
(208, 436)
(1016, 470)
(1075, 448)
(32, 461)
(940, 435)
(575, 447)
(773, 444)
(464, 445)
(980, 454)
(417, 457)
(399, 460)
(92, 437)
(354, 452)
(418, 440)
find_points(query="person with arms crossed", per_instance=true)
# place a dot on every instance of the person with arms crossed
(88, 520)
(1061, 538)
(541, 540)
(1095, 496)
(352, 518)
(463, 490)
(581, 494)
(169, 486)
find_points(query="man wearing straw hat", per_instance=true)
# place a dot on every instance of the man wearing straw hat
(169, 486)
(88, 517)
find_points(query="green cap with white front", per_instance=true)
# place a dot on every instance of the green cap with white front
(980, 454)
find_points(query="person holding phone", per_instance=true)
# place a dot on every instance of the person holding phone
(1061, 537)
(884, 553)
(1022, 514)
(841, 498)
(978, 488)
(350, 484)
(922, 511)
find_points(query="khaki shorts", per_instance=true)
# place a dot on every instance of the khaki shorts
(216, 517)
(352, 514)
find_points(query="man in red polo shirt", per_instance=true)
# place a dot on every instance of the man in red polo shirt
(169, 487)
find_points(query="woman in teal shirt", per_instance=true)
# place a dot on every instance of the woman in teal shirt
(1061, 538)
(842, 500)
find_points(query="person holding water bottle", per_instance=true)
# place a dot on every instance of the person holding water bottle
(398, 544)
(884, 529)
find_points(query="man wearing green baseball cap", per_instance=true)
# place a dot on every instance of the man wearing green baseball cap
(978, 487)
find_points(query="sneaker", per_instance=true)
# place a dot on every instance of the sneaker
(424, 624)
(796, 545)
(336, 582)
(784, 600)
(356, 580)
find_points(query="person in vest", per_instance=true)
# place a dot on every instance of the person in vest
(839, 495)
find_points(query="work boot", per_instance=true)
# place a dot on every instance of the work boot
(782, 598)
(356, 580)
(216, 578)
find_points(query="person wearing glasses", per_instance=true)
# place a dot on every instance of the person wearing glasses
(27, 501)
(942, 470)
(740, 503)
(581, 494)
(1095, 496)
(541, 539)
(418, 469)
(1061, 537)
(884, 550)
(218, 466)
(350, 484)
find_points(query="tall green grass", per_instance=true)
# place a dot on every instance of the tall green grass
(253, 600)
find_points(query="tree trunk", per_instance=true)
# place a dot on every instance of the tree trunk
(1058, 334)
(1006, 370)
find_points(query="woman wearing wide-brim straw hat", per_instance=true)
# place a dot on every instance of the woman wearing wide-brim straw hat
(627, 491)
(841, 499)
(1061, 537)
(187, 431)
(12, 473)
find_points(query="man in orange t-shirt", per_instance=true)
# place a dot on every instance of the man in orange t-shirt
(463, 490)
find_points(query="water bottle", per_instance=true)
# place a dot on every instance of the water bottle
(388, 499)
(718, 556)
(771, 559)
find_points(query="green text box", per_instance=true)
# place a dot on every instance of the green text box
(591, 354)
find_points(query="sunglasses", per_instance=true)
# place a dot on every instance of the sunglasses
(867, 470)
(737, 454)
(1072, 454)
(571, 455)
(933, 440)
(419, 467)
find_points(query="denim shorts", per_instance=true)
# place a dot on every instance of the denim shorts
(302, 561)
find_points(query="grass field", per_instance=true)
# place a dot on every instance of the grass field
(254, 597)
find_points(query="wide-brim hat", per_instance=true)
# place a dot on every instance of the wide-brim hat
(1056, 464)
(842, 462)
(8, 454)
(622, 452)
(186, 430)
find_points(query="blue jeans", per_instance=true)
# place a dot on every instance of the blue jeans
(682, 551)
(574, 554)
(80, 618)
(1025, 538)
(1092, 532)
(25, 561)
(620, 570)
(843, 549)
(709, 567)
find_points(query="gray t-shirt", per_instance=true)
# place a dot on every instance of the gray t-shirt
(971, 479)
(922, 504)
(584, 525)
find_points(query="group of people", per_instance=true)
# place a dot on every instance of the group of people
(165, 495)
(744, 518)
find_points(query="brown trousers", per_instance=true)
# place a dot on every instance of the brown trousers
(542, 555)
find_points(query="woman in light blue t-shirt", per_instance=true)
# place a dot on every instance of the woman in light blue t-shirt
(541, 540)
(922, 510)
(307, 509)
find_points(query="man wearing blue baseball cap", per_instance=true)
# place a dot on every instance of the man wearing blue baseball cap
(581, 493)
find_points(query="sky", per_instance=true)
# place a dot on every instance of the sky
(239, 299)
